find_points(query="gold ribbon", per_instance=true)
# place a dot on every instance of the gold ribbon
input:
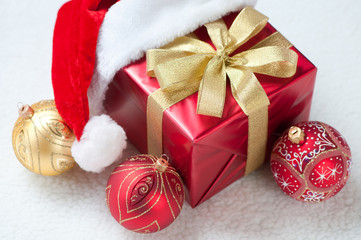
(188, 65)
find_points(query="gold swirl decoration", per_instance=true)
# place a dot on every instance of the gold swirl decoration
(41, 139)
(141, 190)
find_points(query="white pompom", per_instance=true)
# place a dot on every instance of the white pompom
(101, 144)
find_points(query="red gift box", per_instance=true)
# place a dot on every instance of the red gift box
(209, 152)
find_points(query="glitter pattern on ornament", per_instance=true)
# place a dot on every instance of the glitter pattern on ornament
(315, 166)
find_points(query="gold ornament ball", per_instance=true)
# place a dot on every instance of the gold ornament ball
(42, 140)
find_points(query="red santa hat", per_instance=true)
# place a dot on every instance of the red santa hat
(93, 39)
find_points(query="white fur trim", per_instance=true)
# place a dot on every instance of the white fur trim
(133, 26)
(101, 144)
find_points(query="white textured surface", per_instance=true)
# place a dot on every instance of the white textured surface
(72, 206)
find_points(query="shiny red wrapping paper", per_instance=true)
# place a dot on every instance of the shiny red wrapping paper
(209, 152)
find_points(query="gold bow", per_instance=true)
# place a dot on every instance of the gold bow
(188, 65)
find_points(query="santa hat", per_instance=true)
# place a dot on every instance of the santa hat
(93, 39)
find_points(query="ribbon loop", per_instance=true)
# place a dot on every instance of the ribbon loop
(156, 57)
(219, 34)
(189, 44)
(174, 75)
(247, 25)
(272, 60)
(275, 39)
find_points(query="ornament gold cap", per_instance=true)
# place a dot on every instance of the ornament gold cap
(296, 135)
(25, 111)
(162, 163)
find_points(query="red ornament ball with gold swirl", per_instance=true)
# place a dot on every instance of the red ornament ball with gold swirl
(144, 194)
(311, 162)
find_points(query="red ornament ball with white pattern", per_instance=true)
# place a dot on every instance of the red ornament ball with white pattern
(311, 162)
(145, 194)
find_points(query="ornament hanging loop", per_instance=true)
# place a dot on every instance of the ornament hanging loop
(296, 135)
(20, 105)
(25, 111)
(162, 163)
